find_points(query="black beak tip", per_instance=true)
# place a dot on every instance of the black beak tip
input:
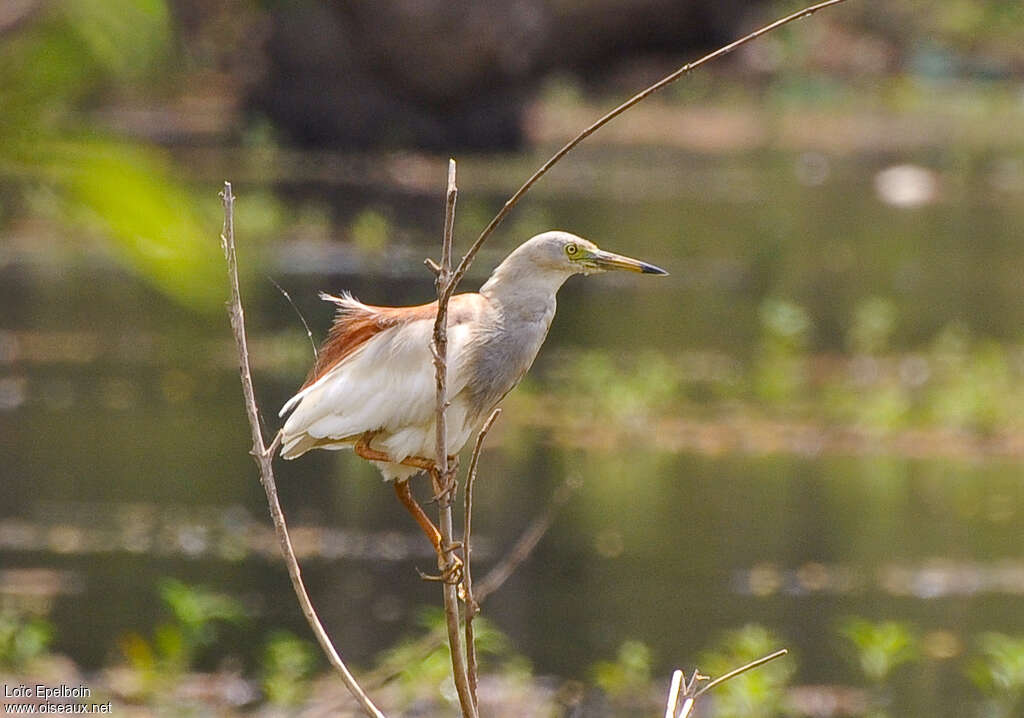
(651, 269)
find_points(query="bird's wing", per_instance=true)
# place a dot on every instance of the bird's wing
(375, 370)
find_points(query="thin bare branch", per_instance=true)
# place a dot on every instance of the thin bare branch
(444, 478)
(264, 458)
(467, 260)
(742, 669)
(472, 607)
(527, 541)
(680, 688)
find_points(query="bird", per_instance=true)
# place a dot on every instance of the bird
(372, 388)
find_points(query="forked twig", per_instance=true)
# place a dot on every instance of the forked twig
(264, 457)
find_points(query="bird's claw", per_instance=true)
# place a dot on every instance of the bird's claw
(445, 493)
(451, 573)
(445, 484)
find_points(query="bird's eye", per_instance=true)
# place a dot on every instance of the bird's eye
(571, 249)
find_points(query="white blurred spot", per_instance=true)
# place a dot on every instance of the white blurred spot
(906, 186)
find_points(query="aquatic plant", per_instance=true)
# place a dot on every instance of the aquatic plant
(881, 647)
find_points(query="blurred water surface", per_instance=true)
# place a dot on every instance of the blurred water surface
(125, 445)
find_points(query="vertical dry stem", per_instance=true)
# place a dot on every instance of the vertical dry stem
(472, 607)
(264, 457)
(446, 478)
(678, 678)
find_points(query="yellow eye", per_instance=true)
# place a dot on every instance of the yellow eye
(571, 249)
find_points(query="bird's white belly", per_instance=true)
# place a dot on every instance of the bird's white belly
(420, 439)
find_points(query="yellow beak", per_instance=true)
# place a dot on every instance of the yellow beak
(610, 260)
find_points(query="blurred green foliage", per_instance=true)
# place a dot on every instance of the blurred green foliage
(999, 672)
(23, 639)
(423, 668)
(759, 692)
(287, 667)
(628, 675)
(957, 382)
(117, 191)
(881, 647)
(602, 386)
(370, 230)
(874, 320)
(197, 616)
(779, 369)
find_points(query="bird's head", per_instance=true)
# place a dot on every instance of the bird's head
(565, 252)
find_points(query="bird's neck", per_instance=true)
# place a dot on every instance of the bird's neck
(521, 287)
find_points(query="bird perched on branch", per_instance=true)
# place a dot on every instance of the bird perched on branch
(372, 389)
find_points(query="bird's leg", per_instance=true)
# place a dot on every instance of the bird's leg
(451, 571)
(363, 449)
(442, 488)
(451, 564)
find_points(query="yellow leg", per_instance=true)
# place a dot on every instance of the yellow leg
(364, 450)
(451, 571)
(448, 560)
(404, 495)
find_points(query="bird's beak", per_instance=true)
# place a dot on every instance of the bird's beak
(609, 260)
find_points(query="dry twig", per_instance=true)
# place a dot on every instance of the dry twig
(445, 476)
(264, 457)
(679, 687)
(472, 607)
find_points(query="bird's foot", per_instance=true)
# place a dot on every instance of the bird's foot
(444, 492)
(445, 485)
(452, 571)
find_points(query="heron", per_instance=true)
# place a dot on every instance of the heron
(372, 388)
